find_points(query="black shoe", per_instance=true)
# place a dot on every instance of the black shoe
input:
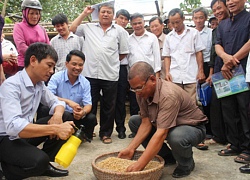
(169, 160)
(202, 146)
(132, 135)
(245, 169)
(179, 172)
(121, 135)
(55, 172)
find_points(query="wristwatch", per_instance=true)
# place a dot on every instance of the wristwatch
(84, 114)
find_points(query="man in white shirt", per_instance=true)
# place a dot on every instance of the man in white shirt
(183, 54)
(156, 27)
(143, 45)
(122, 19)
(20, 96)
(199, 16)
(105, 45)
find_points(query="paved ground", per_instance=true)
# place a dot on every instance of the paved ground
(208, 165)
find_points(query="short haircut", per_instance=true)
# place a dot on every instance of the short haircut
(136, 15)
(154, 18)
(59, 19)
(107, 4)
(141, 69)
(214, 1)
(123, 12)
(200, 9)
(40, 51)
(75, 53)
(175, 11)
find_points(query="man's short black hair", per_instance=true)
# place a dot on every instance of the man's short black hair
(136, 15)
(107, 4)
(214, 1)
(123, 12)
(40, 51)
(154, 18)
(59, 19)
(75, 53)
(211, 18)
(175, 11)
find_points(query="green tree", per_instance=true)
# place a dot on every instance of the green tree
(71, 8)
(189, 5)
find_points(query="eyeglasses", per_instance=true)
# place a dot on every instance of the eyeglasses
(140, 89)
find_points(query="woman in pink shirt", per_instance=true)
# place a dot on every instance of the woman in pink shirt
(29, 31)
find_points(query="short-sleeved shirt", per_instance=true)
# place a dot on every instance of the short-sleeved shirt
(161, 40)
(124, 61)
(64, 46)
(144, 48)
(182, 50)
(233, 33)
(102, 50)
(19, 101)
(171, 106)
(206, 37)
(79, 92)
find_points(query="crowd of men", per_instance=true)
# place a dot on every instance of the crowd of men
(158, 71)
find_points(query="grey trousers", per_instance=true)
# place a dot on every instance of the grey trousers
(181, 139)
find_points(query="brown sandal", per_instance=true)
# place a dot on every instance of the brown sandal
(243, 158)
(106, 140)
(227, 152)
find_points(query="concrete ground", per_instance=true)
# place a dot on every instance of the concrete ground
(208, 165)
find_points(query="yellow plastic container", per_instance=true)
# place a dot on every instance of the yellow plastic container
(68, 151)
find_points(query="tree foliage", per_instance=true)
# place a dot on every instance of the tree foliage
(71, 8)
(189, 5)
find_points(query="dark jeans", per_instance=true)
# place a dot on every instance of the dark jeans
(107, 103)
(120, 108)
(235, 115)
(180, 139)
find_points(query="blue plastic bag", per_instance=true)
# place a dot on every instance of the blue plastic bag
(204, 92)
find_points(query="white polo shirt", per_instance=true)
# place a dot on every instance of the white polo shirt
(206, 37)
(144, 48)
(182, 49)
(102, 50)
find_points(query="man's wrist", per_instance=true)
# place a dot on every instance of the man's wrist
(84, 114)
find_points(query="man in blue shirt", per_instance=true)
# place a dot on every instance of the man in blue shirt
(232, 46)
(20, 96)
(74, 89)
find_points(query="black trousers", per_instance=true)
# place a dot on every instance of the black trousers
(216, 119)
(206, 109)
(21, 158)
(133, 105)
(120, 108)
(235, 114)
(107, 103)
